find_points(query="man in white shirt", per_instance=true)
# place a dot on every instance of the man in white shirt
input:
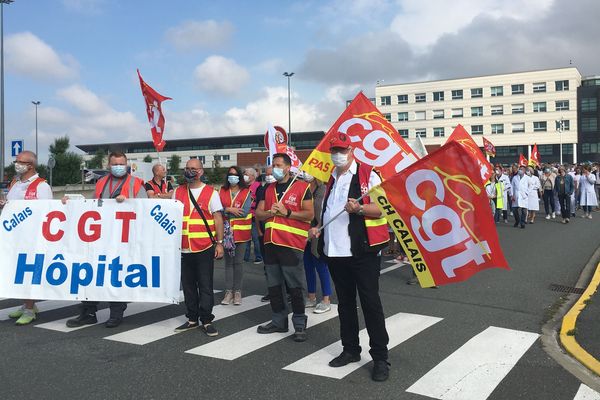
(27, 186)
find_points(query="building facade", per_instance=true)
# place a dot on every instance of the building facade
(589, 114)
(514, 111)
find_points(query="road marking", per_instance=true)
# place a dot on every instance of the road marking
(391, 268)
(400, 327)
(42, 306)
(477, 367)
(245, 342)
(163, 329)
(586, 393)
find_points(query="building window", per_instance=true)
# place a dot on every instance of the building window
(518, 108)
(403, 116)
(402, 98)
(497, 129)
(476, 111)
(497, 91)
(438, 114)
(589, 124)
(419, 115)
(497, 110)
(438, 132)
(421, 132)
(457, 94)
(403, 133)
(562, 105)
(438, 96)
(201, 158)
(566, 125)
(518, 127)
(385, 100)
(539, 106)
(590, 148)
(589, 104)
(476, 129)
(518, 88)
(388, 117)
(457, 113)
(561, 86)
(540, 126)
(545, 149)
(539, 87)
(476, 92)
(420, 98)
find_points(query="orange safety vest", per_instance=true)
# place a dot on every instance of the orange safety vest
(157, 188)
(240, 226)
(137, 185)
(377, 229)
(194, 235)
(31, 192)
(283, 231)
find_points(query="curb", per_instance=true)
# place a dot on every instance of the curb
(569, 325)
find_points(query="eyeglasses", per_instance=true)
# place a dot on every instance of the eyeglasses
(22, 162)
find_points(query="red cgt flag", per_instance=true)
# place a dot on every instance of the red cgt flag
(155, 116)
(441, 216)
(522, 161)
(375, 141)
(489, 148)
(534, 161)
(461, 136)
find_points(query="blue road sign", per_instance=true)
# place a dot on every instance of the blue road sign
(16, 146)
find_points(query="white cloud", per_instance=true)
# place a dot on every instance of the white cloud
(28, 55)
(192, 35)
(221, 75)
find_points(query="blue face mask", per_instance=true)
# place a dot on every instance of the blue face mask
(190, 176)
(278, 174)
(118, 171)
(233, 179)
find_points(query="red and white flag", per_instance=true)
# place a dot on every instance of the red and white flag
(461, 136)
(522, 161)
(534, 161)
(489, 148)
(155, 115)
(276, 142)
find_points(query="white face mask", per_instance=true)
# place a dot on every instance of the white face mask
(20, 169)
(246, 179)
(339, 159)
(270, 179)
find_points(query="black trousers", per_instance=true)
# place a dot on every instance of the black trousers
(565, 205)
(520, 215)
(197, 271)
(116, 308)
(352, 274)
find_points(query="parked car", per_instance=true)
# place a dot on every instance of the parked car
(93, 175)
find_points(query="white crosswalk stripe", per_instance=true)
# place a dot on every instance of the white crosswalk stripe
(245, 342)
(400, 327)
(47, 305)
(476, 368)
(586, 393)
(392, 267)
(163, 329)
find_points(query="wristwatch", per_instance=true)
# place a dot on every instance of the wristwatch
(361, 211)
(219, 242)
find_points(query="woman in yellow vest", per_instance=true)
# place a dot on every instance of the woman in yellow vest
(236, 200)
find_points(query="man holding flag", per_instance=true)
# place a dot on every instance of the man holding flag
(351, 244)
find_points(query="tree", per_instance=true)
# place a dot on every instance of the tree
(148, 158)
(68, 164)
(173, 165)
(97, 162)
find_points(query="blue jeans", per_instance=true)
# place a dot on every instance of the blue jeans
(255, 242)
(312, 263)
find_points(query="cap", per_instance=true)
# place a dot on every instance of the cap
(339, 140)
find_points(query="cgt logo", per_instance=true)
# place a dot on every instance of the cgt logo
(292, 200)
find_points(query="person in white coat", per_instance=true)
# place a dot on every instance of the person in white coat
(519, 186)
(588, 199)
(502, 177)
(533, 195)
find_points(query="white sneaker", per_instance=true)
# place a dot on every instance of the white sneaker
(589, 216)
(322, 308)
(548, 216)
(553, 215)
(310, 303)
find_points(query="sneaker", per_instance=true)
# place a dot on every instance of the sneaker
(210, 330)
(567, 220)
(322, 308)
(27, 317)
(300, 334)
(548, 216)
(270, 328)
(589, 216)
(553, 215)
(19, 312)
(113, 322)
(84, 318)
(228, 298)
(187, 326)
(308, 303)
(237, 298)
(506, 221)
(258, 261)
(412, 281)
(265, 299)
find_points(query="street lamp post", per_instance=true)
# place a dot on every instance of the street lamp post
(2, 3)
(560, 123)
(36, 104)
(288, 75)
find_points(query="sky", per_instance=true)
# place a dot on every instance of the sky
(223, 62)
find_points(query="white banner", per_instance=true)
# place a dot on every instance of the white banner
(97, 250)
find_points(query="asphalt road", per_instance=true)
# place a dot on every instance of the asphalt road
(477, 339)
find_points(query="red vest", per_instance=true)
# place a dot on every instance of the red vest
(156, 188)
(102, 182)
(31, 192)
(377, 229)
(284, 231)
(241, 226)
(194, 235)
